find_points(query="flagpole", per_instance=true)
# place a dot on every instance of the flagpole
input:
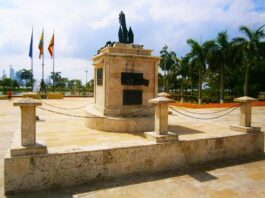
(32, 63)
(43, 57)
(53, 53)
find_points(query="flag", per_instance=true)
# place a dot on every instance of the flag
(41, 44)
(31, 46)
(51, 45)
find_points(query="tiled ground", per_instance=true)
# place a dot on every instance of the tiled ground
(63, 132)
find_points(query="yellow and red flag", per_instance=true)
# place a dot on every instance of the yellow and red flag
(41, 44)
(51, 46)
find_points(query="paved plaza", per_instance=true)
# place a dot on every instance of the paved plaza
(236, 178)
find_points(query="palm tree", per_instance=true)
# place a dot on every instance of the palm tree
(26, 74)
(168, 60)
(56, 77)
(181, 68)
(197, 58)
(249, 47)
(218, 58)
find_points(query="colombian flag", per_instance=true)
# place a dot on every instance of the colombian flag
(51, 45)
(41, 44)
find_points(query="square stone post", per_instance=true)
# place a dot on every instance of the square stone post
(27, 143)
(161, 133)
(245, 115)
(161, 114)
(166, 95)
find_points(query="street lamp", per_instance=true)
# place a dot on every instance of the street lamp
(86, 75)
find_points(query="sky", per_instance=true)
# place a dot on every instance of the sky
(83, 26)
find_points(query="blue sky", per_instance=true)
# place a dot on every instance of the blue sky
(83, 26)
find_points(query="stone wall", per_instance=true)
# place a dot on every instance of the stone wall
(66, 169)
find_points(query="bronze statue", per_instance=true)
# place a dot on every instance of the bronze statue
(124, 35)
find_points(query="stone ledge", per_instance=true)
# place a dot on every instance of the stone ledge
(36, 172)
(245, 129)
(169, 137)
(36, 149)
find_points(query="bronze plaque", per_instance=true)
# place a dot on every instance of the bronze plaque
(132, 97)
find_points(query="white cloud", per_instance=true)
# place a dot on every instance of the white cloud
(83, 26)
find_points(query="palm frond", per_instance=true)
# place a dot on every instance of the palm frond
(247, 31)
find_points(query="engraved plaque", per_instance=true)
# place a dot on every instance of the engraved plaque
(100, 76)
(132, 97)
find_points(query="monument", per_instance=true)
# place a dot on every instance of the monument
(125, 78)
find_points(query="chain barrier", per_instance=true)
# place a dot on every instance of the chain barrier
(207, 113)
(67, 114)
(138, 111)
(80, 116)
(204, 118)
(63, 108)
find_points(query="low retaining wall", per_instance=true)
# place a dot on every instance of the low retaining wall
(118, 124)
(65, 169)
(55, 96)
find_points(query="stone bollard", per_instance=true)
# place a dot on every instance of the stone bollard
(166, 95)
(27, 143)
(161, 114)
(245, 116)
(161, 133)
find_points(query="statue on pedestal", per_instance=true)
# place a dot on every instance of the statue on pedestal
(124, 35)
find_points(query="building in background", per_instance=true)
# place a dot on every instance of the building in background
(4, 74)
(11, 73)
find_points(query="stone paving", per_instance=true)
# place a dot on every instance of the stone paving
(61, 132)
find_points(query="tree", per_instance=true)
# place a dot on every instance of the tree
(168, 60)
(89, 86)
(7, 83)
(27, 75)
(218, 58)
(249, 46)
(58, 81)
(56, 77)
(197, 56)
(180, 69)
(15, 84)
(74, 85)
(78, 85)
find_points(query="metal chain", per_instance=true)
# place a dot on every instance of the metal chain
(66, 114)
(63, 107)
(204, 113)
(204, 118)
(138, 111)
(79, 116)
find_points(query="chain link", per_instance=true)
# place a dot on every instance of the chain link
(205, 113)
(63, 108)
(204, 118)
(79, 116)
(67, 114)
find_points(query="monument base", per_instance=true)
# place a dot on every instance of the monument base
(134, 123)
(245, 129)
(68, 168)
(169, 137)
(36, 149)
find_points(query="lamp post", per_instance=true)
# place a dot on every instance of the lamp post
(86, 75)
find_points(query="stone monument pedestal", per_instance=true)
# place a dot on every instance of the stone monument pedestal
(126, 77)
